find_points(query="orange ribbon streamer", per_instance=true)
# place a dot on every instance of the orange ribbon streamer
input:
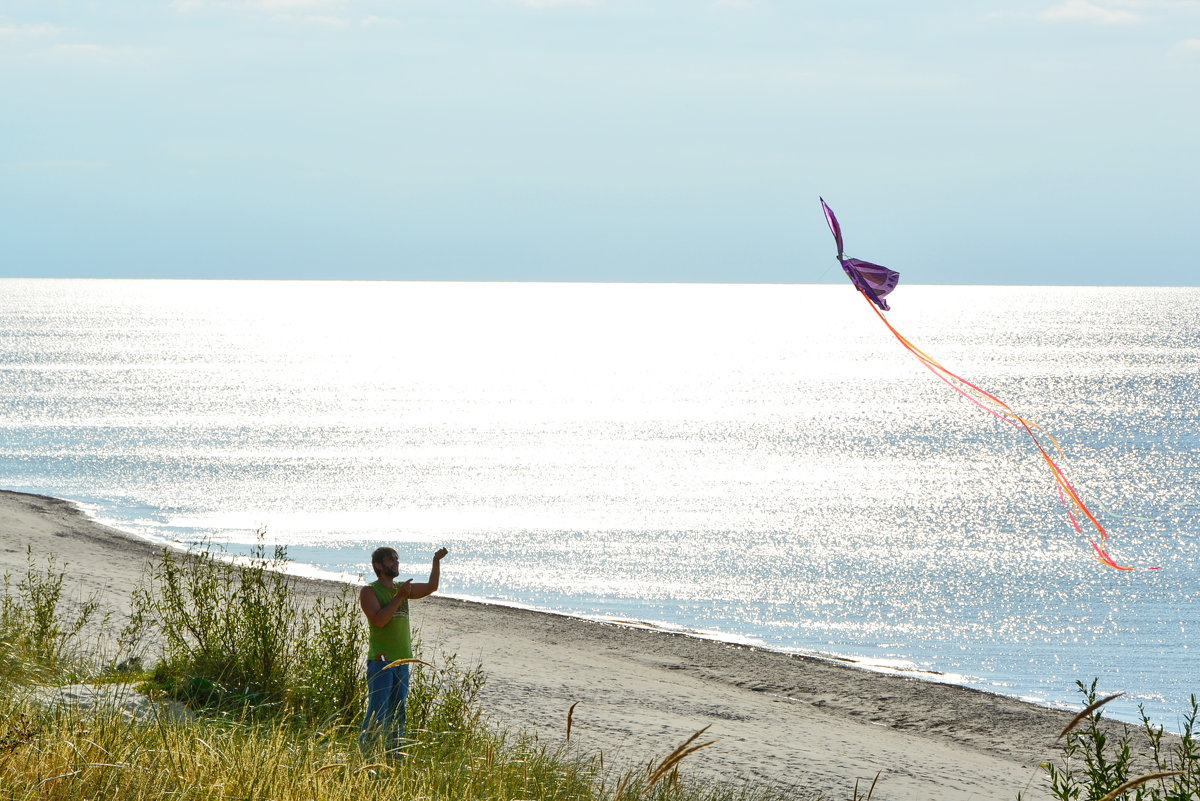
(1001, 410)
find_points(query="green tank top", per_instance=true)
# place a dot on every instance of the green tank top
(394, 640)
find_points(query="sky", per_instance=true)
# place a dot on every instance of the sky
(1044, 142)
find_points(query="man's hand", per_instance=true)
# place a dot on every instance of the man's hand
(420, 590)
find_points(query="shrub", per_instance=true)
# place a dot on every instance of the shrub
(1095, 766)
(36, 634)
(237, 636)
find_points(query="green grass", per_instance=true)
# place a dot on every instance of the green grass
(276, 685)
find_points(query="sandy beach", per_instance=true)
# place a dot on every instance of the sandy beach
(797, 722)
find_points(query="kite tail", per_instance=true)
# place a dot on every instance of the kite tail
(1063, 500)
(1002, 411)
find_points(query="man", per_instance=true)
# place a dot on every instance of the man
(385, 603)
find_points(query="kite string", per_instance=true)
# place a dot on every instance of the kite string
(1009, 416)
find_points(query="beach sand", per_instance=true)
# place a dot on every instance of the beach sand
(811, 724)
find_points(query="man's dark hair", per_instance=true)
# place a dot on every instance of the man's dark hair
(378, 554)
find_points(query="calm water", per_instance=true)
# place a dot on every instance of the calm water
(761, 462)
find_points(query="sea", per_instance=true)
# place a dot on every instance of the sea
(761, 464)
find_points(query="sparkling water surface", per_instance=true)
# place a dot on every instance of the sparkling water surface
(758, 463)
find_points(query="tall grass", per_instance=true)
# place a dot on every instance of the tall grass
(66, 757)
(277, 682)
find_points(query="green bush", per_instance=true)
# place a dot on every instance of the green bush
(36, 634)
(236, 636)
(1095, 765)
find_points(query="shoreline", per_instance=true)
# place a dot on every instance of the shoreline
(812, 723)
(309, 572)
(312, 573)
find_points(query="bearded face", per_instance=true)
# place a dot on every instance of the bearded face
(386, 564)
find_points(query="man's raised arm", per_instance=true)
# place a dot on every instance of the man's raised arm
(420, 590)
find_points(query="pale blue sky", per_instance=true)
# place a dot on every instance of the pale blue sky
(1022, 142)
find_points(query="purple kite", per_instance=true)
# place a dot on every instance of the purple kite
(873, 280)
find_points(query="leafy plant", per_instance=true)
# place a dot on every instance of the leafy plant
(1095, 765)
(238, 636)
(36, 634)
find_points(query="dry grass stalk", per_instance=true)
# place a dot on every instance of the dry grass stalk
(325, 768)
(870, 791)
(1140, 780)
(406, 662)
(375, 766)
(52, 779)
(675, 757)
(571, 719)
(1084, 714)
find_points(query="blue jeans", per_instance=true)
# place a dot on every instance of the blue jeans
(387, 692)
